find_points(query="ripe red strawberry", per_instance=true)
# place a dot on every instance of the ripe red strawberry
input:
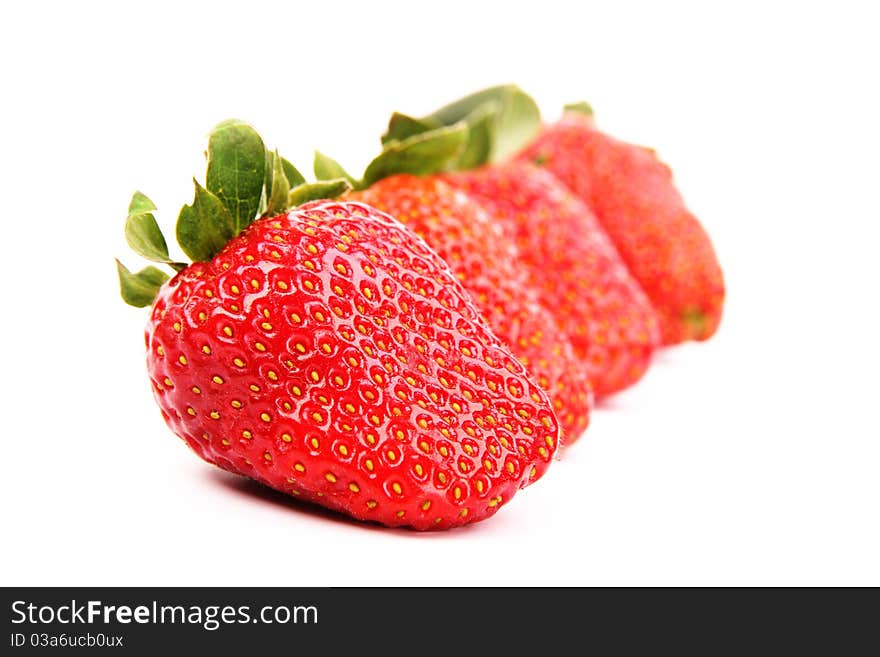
(634, 197)
(576, 269)
(329, 353)
(485, 260)
(569, 257)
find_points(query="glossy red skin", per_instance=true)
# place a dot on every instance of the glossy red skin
(363, 366)
(486, 261)
(574, 267)
(633, 194)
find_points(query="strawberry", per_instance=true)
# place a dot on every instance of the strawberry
(566, 254)
(329, 353)
(634, 197)
(485, 260)
(574, 267)
(630, 190)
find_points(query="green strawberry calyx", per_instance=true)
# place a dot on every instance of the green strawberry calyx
(422, 154)
(580, 107)
(487, 126)
(244, 181)
(498, 121)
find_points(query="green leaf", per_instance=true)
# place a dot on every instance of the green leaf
(140, 203)
(324, 189)
(294, 177)
(505, 117)
(204, 227)
(501, 120)
(326, 168)
(481, 128)
(516, 124)
(401, 127)
(421, 155)
(236, 170)
(143, 234)
(145, 238)
(581, 107)
(141, 288)
(288, 173)
(460, 109)
(278, 186)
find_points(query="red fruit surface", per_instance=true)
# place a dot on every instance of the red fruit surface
(330, 354)
(635, 199)
(486, 261)
(575, 268)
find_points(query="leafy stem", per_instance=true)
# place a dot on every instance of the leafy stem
(243, 181)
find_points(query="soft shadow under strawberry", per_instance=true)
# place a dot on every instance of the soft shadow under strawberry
(254, 490)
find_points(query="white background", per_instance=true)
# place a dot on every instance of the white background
(751, 459)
